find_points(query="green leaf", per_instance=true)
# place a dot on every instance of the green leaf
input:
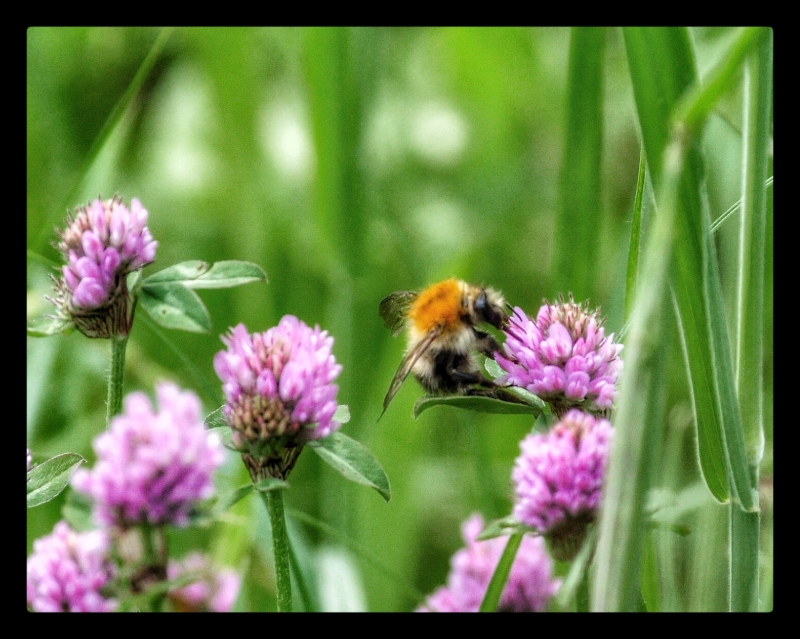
(215, 422)
(269, 484)
(229, 499)
(216, 419)
(225, 435)
(697, 103)
(49, 478)
(635, 240)
(476, 403)
(651, 586)
(175, 306)
(342, 414)
(529, 398)
(44, 326)
(354, 461)
(123, 107)
(504, 527)
(577, 223)
(198, 274)
(662, 68)
(493, 368)
(77, 511)
(178, 273)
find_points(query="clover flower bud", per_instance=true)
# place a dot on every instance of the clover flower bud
(102, 243)
(152, 466)
(558, 479)
(279, 392)
(563, 356)
(68, 572)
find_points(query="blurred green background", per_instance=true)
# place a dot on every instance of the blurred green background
(348, 163)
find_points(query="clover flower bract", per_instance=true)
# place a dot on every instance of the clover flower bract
(563, 356)
(558, 479)
(68, 571)
(279, 392)
(530, 583)
(103, 242)
(152, 467)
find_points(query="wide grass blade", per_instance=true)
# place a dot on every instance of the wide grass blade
(745, 526)
(696, 281)
(103, 136)
(579, 212)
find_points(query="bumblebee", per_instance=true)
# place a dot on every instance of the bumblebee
(441, 324)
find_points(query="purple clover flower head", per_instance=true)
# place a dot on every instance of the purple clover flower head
(563, 356)
(530, 583)
(558, 479)
(152, 466)
(214, 591)
(103, 242)
(68, 571)
(279, 392)
(30, 459)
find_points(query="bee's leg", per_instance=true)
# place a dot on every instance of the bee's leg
(495, 392)
(486, 344)
(474, 383)
(468, 378)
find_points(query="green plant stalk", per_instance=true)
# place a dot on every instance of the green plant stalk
(716, 224)
(280, 544)
(662, 67)
(650, 584)
(636, 234)
(639, 414)
(155, 560)
(745, 526)
(689, 115)
(694, 107)
(721, 447)
(115, 377)
(494, 590)
(111, 123)
(582, 596)
(752, 241)
(302, 587)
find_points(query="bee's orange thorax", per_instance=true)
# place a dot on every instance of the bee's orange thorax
(438, 304)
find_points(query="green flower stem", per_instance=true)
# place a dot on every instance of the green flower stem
(154, 566)
(745, 529)
(114, 403)
(280, 544)
(498, 583)
(582, 596)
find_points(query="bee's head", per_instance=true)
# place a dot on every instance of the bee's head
(489, 307)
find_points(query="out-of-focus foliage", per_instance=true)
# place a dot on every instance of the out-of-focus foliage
(350, 163)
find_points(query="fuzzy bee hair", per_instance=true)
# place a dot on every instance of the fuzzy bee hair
(442, 331)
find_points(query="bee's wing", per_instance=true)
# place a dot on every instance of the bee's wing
(408, 363)
(394, 308)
